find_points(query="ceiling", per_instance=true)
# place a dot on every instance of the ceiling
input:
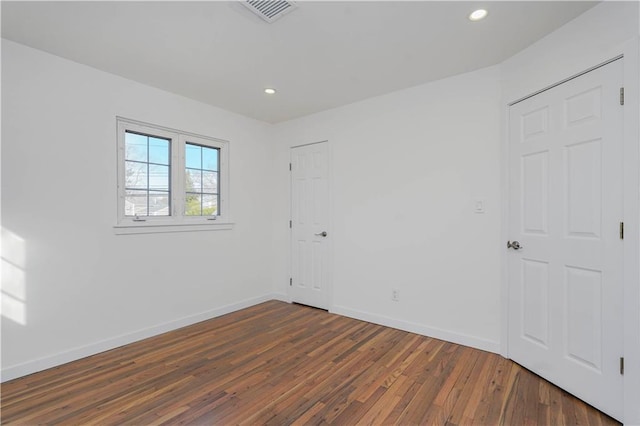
(322, 55)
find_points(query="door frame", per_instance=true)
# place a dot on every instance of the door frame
(329, 241)
(631, 189)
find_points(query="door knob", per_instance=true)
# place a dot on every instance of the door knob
(514, 245)
(321, 234)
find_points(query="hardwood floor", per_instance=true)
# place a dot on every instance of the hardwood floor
(277, 363)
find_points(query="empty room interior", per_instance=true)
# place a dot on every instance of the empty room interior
(346, 212)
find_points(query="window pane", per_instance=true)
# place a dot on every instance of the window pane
(135, 147)
(135, 203)
(193, 180)
(159, 151)
(158, 203)
(193, 156)
(158, 177)
(209, 205)
(135, 175)
(193, 205)
(210, 159)
(201, 180)
(210, 182)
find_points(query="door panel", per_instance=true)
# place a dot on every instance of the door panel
(535, 282)
(535, 193)
(565, 283)
(583, 168)
(309, 211)
(584, 316)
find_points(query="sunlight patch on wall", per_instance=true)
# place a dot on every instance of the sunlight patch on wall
(14, 290)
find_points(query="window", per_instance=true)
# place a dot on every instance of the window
(170, 180)
(201, 180)
(146, 175)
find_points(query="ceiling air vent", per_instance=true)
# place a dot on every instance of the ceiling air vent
(269, 10)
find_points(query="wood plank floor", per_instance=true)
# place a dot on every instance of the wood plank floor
(277, 363)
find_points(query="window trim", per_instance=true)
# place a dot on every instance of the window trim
(177, 221)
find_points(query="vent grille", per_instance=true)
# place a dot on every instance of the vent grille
(269, 10)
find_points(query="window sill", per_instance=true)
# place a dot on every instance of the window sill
(162, 228)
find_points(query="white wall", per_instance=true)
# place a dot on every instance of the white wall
(603, 32)
(406, 169)
(84, 288)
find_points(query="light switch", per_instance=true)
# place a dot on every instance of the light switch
(478, 205)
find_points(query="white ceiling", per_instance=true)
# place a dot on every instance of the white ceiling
(321, 55)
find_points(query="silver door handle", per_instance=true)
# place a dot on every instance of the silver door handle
(514, 245)
(321, 234)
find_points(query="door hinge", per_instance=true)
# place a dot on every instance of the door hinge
(621, 365)
(622, 96)
(290, 281)
(289, 166)
(290, 224)
(622, 230)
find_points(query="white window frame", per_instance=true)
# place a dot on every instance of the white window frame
(177, 221)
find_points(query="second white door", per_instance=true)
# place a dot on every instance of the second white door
(309, 225)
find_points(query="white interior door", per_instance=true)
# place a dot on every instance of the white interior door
(565, 280)
(309, 225)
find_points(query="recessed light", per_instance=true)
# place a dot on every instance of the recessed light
(270, 91)
(477, 15)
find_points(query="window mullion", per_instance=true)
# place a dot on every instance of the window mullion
(201, 184)
(148, 181)
(178, 196)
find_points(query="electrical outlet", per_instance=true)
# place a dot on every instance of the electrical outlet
(395, 295)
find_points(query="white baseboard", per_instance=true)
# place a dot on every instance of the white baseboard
(74, 354)
(449, 336)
